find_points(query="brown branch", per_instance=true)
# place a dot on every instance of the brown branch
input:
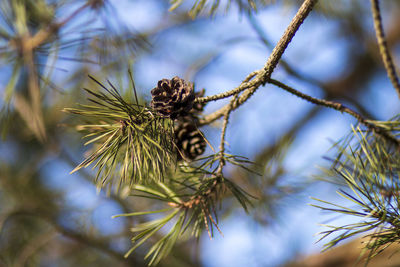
(200, 199)
(339, 107)
(243, 86)
(249, 87)
(383, 47)
(31, 112)
(222, 142)
(251, 83)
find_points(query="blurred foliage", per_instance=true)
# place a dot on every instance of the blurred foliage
(47, 50)
(211, 7)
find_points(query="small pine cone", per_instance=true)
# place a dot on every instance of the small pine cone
(172, 98)
(189, 140)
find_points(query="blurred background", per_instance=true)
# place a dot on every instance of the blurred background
(49, 217)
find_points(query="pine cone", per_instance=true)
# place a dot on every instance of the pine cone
(172, 98)
(189, 140)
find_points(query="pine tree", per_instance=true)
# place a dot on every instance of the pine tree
(151, 144)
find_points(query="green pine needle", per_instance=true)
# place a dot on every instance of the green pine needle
(130, 143)
(368, 168)
(131, 147)
(193, 194)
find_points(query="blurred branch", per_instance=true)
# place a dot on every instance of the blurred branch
(33, 246)
(96, 243)
(301, 123)
(383, 47)
(272, 190)
(213, 5)
(32, 115)
(340, 107)
(43, 34)
(25, 44)
(264, 74)
(211, 57)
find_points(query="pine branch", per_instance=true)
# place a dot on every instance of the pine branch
(262, 76)
(383, 47)
(243, 86)
(340, 107)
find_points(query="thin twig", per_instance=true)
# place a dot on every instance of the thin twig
(223, 132)
(383, 47)
(243, 86)
(200, 199)
(222, 142)
(249, 87)
(339, 107)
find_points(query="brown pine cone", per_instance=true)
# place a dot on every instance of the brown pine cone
(189, 139)
(172, 98)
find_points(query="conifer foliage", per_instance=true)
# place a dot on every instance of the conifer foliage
(150, 148)
(137, 148)
(193, 188)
